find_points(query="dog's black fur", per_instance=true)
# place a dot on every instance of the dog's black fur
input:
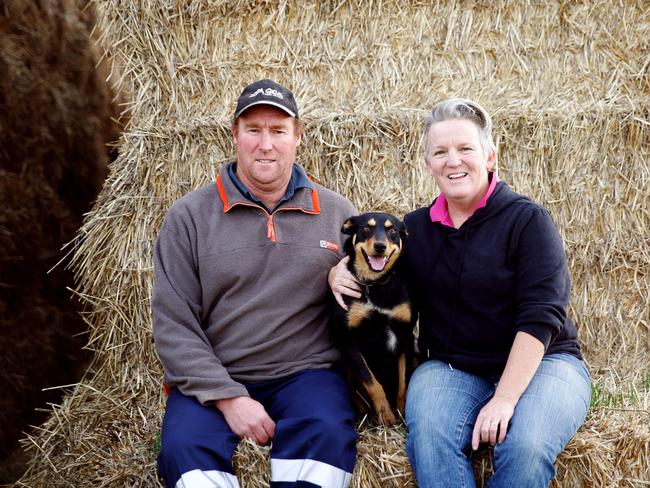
(376, 332)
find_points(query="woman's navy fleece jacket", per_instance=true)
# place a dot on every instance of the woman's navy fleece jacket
(503, 271)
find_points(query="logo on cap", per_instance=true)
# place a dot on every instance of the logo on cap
(268, 92)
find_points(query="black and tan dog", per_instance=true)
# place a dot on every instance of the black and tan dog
(376, 332)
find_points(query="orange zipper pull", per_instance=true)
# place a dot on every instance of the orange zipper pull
(270, 229)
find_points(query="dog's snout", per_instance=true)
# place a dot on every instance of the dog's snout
(380, 247)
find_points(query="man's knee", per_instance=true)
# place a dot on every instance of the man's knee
(321, 439)
(175, 443)
(343, 432)
(330, 433)
(314, 451)
(198, 461)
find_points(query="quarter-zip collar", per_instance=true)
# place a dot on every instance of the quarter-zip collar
(304, 198)
(299, 179)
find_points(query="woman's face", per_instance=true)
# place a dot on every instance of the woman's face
(458, 162)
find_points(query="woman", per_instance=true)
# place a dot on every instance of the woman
(501, 365)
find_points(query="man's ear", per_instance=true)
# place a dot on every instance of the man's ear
(298, 130)
(234, 130)
(349, 226)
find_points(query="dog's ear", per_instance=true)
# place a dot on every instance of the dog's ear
(349, 226)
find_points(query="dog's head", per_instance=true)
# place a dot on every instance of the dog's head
(374, 244)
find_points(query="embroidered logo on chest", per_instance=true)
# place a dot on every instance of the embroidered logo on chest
(329, 245)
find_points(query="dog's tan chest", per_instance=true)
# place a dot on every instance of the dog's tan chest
(359, 311)
(401, 312)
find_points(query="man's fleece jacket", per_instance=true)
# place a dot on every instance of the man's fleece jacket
(241, 295)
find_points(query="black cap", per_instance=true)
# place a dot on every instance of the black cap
(267, 92)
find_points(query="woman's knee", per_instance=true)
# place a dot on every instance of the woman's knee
(434, 448)
(524, 451)
(440, 398)
(524, 462)
(552, 408)
(442, 404)
(563, 380)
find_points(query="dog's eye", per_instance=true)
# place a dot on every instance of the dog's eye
(366, 230)
(392, 232)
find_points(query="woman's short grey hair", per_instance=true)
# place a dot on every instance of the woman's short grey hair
(460, 108)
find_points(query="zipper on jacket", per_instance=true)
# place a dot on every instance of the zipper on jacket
(270, 225)
(270, 228)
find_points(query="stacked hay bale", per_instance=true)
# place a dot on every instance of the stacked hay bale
(568, 85)
(56, 116)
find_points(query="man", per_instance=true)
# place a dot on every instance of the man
(241, 309)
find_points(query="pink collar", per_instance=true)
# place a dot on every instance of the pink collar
(440, 213)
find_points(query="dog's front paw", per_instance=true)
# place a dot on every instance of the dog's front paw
(386, 416)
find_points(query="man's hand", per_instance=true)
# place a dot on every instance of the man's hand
(247, 418)
(342, 282)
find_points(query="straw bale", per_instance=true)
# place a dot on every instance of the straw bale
(56, 116)
(568, 86)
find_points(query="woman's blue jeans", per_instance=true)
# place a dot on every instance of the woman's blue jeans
(442, 405)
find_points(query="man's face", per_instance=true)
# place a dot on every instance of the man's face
(266, 139)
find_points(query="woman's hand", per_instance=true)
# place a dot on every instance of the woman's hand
(342, 282)
(492, 422)
(524, 358)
